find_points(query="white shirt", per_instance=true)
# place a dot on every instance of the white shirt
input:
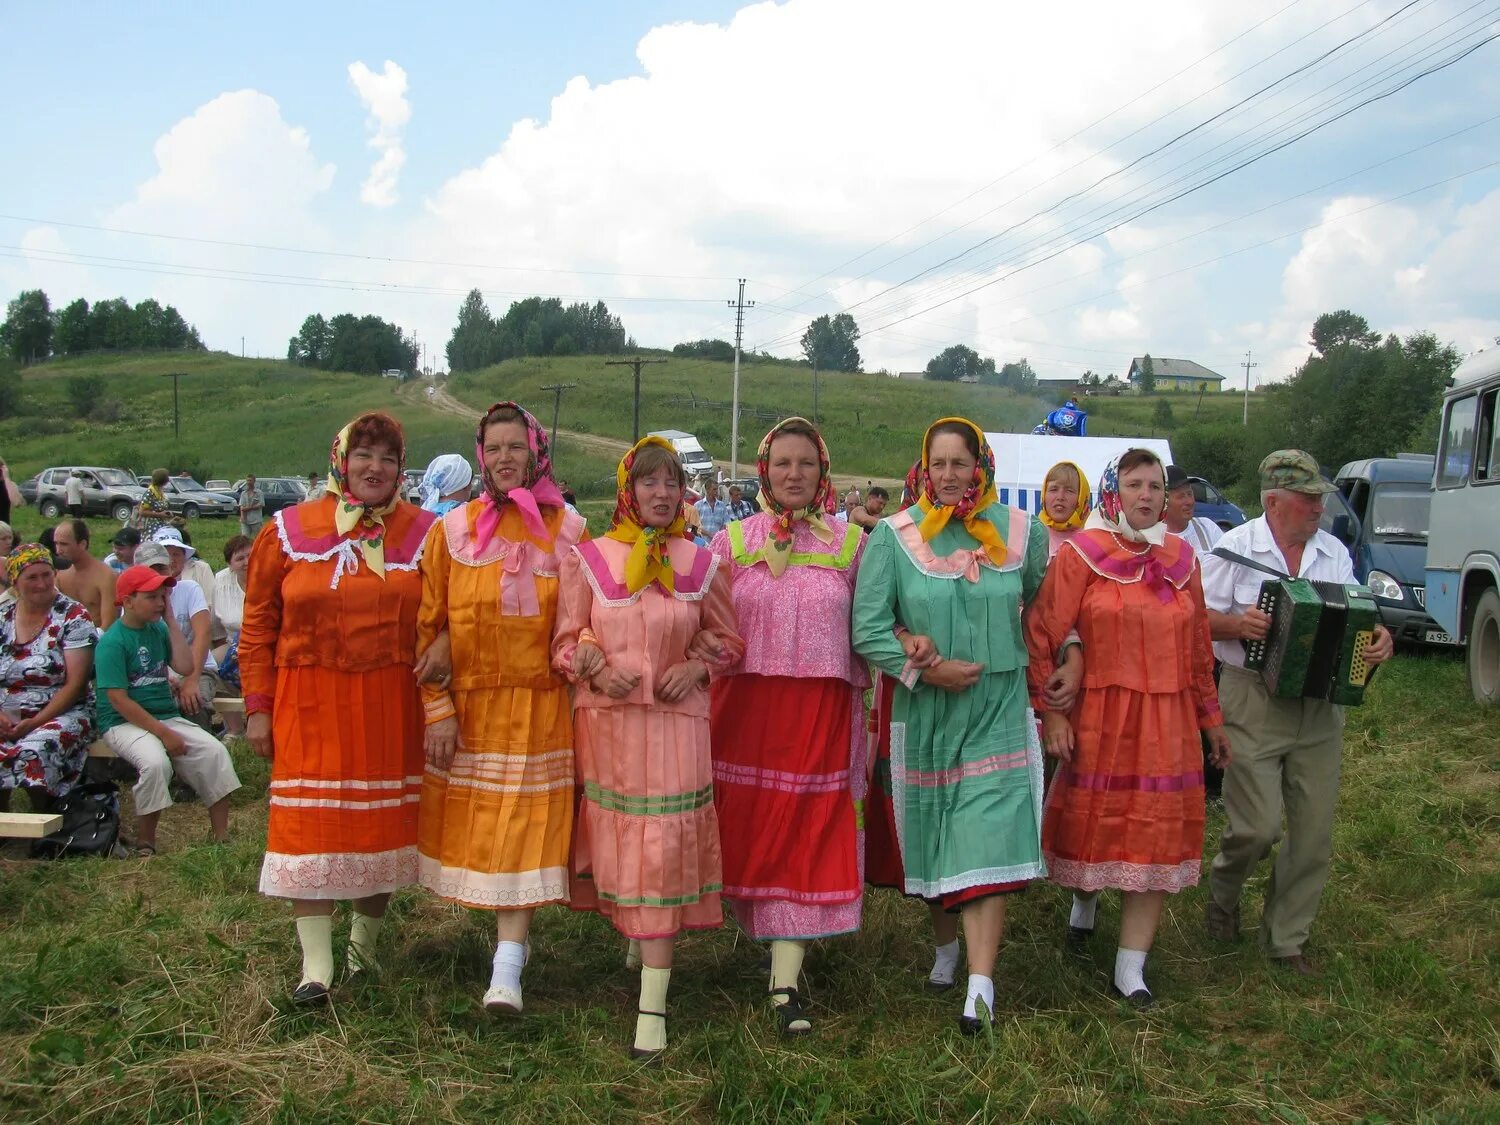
(1202, 534)
(203, 574)
(1231, 588)
(229, 601)
(74, 490)
(188, 599)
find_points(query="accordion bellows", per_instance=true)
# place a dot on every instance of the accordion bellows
(1316, 646)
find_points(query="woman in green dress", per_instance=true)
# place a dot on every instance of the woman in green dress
(955, 568)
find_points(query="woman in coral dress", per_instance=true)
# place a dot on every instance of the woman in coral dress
(326, 655)
(788, 717)
(1126, 807)
(646, 845)
(497, 795)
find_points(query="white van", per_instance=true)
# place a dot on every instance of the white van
(1463, 531)
(1022, 461)
(689, 452)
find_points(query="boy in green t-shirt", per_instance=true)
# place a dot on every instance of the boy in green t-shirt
(139, 717)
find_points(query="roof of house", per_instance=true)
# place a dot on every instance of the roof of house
(1165, 368)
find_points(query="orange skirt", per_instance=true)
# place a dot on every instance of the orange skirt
(345, 782)
(496, 824)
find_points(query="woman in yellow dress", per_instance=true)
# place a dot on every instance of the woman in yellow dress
(497, 796)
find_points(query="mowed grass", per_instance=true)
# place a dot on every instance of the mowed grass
(157, 990)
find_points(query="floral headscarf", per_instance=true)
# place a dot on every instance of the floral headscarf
(27, 554)
(352, 517)
(1081, 509)
(784, 520)
(648, 561)
(1109, 511)
(976, 498)
(537, 487)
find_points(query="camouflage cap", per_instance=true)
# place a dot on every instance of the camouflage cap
(1293, 470)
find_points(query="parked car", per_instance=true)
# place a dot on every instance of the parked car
(219, 486)
(189, 499)
(1209, 502)
(1380, 512)
(411, 484)
(749, 487)
(689, 452)
(276, 493)
(106, 492)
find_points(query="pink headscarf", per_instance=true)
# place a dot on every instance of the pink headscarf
(539, 487)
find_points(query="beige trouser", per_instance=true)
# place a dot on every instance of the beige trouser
(1287, 757)
(204, 764)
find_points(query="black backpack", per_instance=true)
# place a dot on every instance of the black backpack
(91, 823)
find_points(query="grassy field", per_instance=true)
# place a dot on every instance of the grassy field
(157, 990)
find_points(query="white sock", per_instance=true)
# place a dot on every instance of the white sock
(1130, 970)
(981, 989)
(650, 1031)
(944, 963)
(786, 965)
(1084, 909)
(362, 937)
(510, 958)
(315, 932)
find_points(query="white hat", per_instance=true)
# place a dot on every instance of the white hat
(171, 537)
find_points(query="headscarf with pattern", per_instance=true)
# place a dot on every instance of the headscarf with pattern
(1109, 511)
(784, 520)
(537, 487)
(23, 556)
(1080, 510)
(978, 496)
(648, 560)
(352, 517)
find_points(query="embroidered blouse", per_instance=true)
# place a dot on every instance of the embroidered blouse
(311, 601)
(798, 624)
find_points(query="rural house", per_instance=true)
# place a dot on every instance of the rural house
(1175, 374)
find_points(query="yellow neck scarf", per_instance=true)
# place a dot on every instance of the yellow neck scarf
(648, 560)
(353, 518)
(1080, 510)
(976, 498)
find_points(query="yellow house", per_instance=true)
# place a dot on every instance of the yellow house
(1174, 374)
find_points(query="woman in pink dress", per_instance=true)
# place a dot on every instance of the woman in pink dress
(646, 842)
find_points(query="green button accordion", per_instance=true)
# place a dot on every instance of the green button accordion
(1316, 646)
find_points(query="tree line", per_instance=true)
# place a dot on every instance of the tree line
(535, 326)
(34, 331)
(365, 345)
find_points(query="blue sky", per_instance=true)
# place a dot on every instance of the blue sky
(672, 147)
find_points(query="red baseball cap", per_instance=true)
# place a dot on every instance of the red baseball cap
(137, 580)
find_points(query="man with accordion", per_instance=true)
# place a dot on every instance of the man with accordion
(1312, 645)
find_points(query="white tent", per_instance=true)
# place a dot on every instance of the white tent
(1022, 461)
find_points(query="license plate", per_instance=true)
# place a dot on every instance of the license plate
(1437, 637)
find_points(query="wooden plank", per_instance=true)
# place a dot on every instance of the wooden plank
(100, 749)
(229, 706)
(29, 826)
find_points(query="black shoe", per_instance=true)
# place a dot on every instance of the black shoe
(1077, 941)
(310, 994)
(972, 1025)
(937, 986)
(790, 1014)
(1140, 999)
(1222, 925)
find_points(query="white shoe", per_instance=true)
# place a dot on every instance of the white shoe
(501, 1000)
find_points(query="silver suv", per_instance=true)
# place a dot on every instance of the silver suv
(106, 492)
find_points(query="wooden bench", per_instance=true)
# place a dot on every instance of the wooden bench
(29, 826)
(229, 705)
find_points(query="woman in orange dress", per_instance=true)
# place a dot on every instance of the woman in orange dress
(497, 795)
(646, 847)
(326, 657)
(1126, 807)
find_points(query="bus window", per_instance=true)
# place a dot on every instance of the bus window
(1457, 452)
(1487, 450)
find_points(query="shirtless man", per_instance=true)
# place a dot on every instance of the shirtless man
(872, 511)
(88, 580)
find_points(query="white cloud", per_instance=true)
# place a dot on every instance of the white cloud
(383, 95)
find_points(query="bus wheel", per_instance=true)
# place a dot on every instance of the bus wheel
(1484, 649)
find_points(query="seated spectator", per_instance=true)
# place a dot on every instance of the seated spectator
(122, 557)
(194, 566)
(48, 539)
(47, 707)
(7, 541)
(138, 713)
(195, 692)
(86, 580)
(229, 608)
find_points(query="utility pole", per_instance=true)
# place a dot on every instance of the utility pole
(557, 393)
(635, 363)
(739, 307)
(176, 418)
(815, 390)
(1247, 365)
